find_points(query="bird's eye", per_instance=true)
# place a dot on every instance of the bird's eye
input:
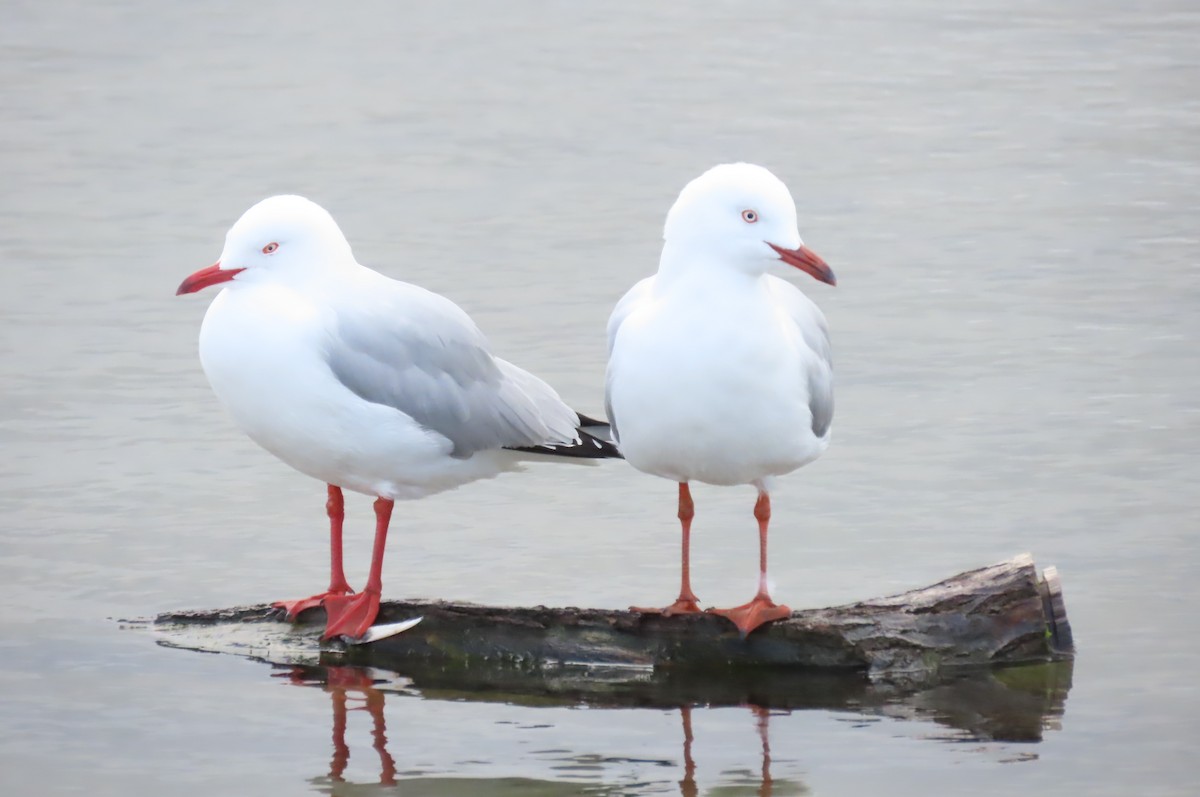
(749, 216)
(269, 248)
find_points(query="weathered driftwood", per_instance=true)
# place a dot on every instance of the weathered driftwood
(1003, 614)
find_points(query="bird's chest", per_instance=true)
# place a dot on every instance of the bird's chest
(261, 353)
(716, 397)
(729, 361)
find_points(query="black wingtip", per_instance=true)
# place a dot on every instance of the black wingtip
(587, 422)
(588, 447)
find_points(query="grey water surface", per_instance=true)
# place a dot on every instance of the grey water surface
(1009, 193)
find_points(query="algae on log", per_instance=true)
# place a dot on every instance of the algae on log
(1002, 614)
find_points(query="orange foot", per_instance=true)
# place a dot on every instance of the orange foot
(682, 605)
(350, 615)
(751, 615)
(292, 609)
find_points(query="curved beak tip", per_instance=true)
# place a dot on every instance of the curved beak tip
(212, 275)
(807, 261)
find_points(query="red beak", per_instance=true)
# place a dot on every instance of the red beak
(807, 261)
(212, 275)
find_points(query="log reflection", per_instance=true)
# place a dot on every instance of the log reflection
(354, 689)
(1015, 704)
(1011, 705)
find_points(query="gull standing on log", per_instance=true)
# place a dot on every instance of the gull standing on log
(364, 382)
(719, 372)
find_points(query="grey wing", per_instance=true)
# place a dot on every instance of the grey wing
(624, 307)
(419, 353)
(814, 331)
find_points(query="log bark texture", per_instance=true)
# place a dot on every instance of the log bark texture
(1002, 614)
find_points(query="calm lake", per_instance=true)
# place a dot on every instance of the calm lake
(1009, 193)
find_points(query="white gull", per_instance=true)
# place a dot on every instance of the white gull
(363, 382)
(719, 372)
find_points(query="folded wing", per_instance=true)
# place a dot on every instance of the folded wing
(818, 368)
(419, 353)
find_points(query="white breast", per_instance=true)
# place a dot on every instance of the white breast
(718, 396)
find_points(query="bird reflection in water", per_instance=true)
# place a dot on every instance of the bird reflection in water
(765, 785)
(1010, 705)
(764, 718)
(687, 786)
(354, 689)
(350, 689)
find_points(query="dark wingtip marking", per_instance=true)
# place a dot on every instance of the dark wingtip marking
(588, 447)
(586, 421)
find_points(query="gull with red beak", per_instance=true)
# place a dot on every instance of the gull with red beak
(719, 372)
(364, 382)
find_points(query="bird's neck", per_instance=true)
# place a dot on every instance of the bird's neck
(683, 265)
(327, 275)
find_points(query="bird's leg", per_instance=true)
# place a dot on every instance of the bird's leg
(761, 608)
(352, 615)
(335, 507)
(686, 602)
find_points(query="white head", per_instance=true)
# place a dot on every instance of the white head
(280, 235)
(744, 215)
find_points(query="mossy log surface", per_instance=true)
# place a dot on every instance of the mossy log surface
(1007, 613)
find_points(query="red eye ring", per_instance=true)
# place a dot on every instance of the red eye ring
(749, 216)
(269, 248)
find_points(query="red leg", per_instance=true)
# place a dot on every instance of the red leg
(686, 602)
(352, 615)
(761, 608)
(335, 507)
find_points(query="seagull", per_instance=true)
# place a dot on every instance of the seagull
(719, 372)
(367, 383)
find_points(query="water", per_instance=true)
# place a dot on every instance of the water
(1007, 192)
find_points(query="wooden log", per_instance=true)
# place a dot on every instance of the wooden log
(1002, 614)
